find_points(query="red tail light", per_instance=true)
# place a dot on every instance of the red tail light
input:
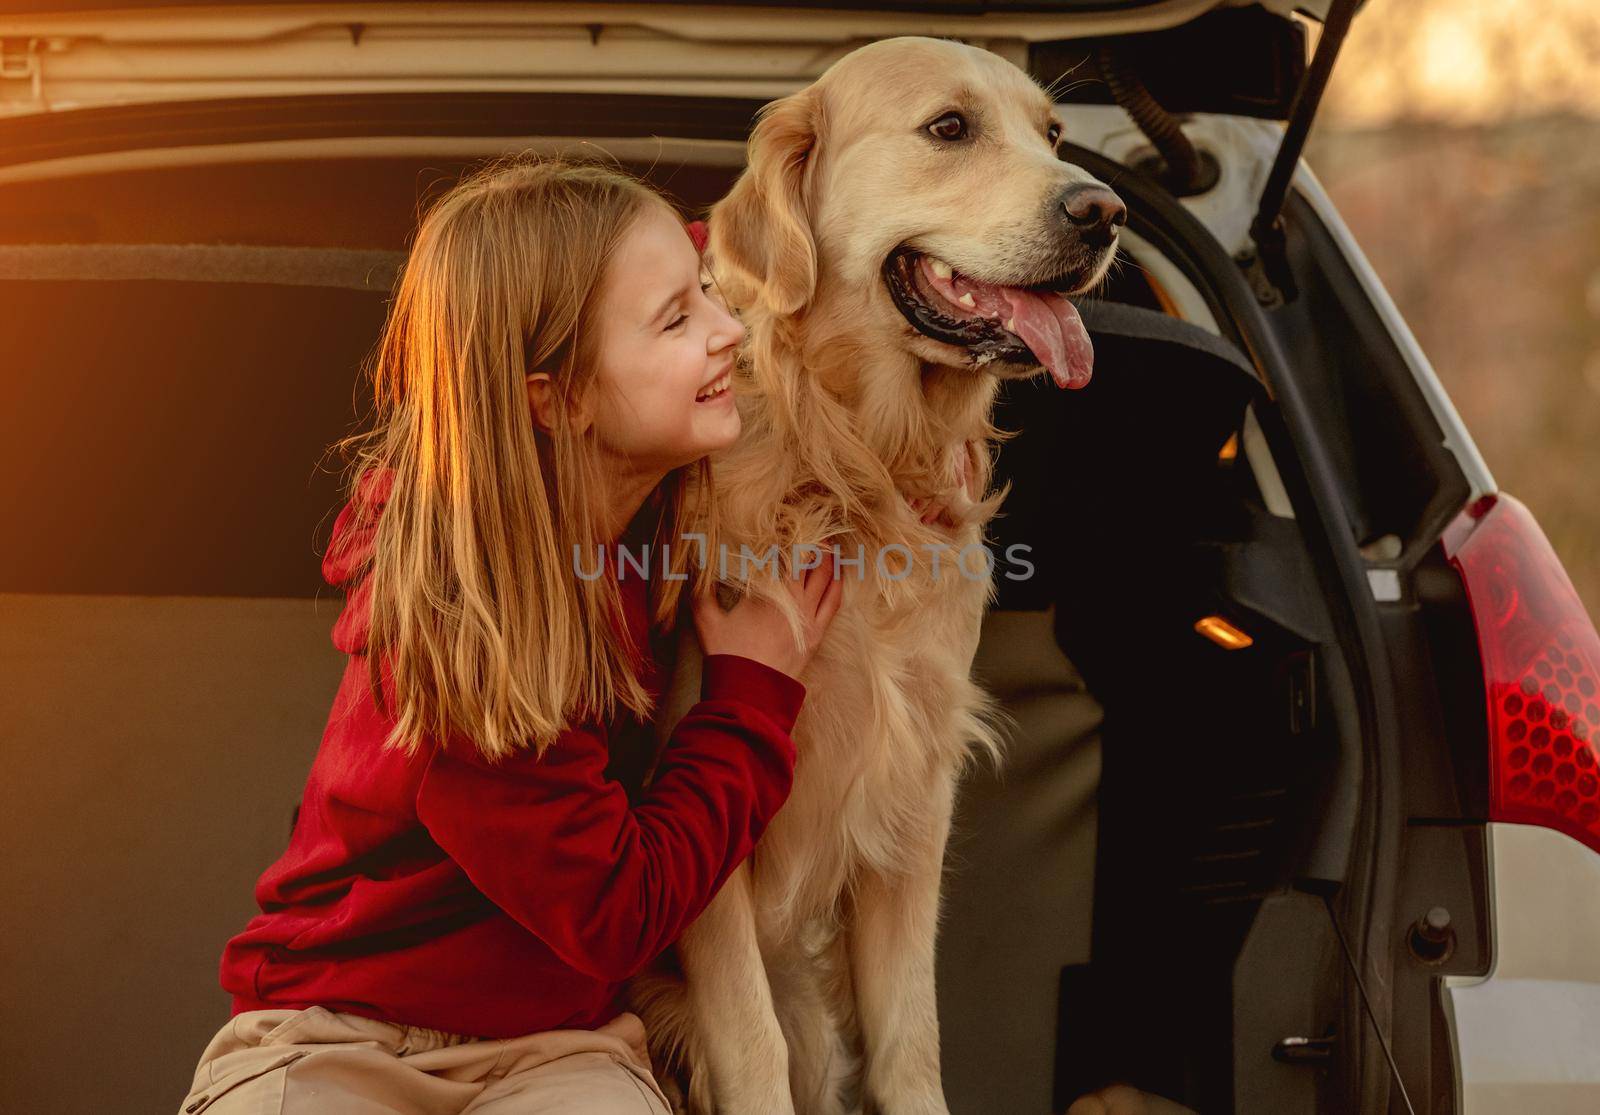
(1541, 670)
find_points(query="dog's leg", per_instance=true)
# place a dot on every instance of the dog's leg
(819, 1062)
(891, 950)
(731, 1002)
(661, 1001)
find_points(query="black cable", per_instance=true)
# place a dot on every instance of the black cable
(1349, 959)
(1184, 173)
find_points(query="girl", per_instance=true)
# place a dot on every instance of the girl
(466, 890)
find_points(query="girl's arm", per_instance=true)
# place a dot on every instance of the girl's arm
(606, 885)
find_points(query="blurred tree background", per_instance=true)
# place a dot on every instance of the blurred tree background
(1461, 141)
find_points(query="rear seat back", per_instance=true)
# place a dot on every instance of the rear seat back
(164, 640)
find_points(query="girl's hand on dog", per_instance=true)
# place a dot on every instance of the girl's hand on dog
(755, 627)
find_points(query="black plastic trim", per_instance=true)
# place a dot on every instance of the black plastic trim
(1314, 492)
(93, 131)
(1381, 488)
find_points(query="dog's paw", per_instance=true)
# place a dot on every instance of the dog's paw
(1124, 1099)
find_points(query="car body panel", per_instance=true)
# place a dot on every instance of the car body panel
(1525, 1033)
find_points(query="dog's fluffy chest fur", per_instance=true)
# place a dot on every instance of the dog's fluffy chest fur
(890, 711)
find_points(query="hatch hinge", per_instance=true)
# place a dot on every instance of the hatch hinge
(1266, 264)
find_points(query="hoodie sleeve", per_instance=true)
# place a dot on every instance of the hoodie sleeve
(608, 886)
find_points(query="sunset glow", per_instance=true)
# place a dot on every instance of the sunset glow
(1467, 61)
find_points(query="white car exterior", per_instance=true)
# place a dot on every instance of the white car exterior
(1525, 1034)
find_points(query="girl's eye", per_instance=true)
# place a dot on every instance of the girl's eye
(681, 318)
(951, 126)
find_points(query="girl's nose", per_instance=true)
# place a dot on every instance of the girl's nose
(730, 323)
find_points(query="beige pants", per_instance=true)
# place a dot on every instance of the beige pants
(294, 1062)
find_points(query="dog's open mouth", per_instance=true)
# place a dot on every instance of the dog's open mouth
(1020, 325)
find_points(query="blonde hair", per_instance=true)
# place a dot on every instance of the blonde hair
(489, 631)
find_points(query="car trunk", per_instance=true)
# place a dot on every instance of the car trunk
(187, 341)
(195, 256)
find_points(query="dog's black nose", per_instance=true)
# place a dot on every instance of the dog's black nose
(1095, 212)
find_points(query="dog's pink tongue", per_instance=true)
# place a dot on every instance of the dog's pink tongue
(1051, 327)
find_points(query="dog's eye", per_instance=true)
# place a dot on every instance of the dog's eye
(1054, 134)
(952, 125)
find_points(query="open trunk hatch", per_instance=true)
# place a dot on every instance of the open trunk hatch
(1196, 55)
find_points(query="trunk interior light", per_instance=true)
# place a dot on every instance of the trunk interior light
(1541, 670)
(1223, 633)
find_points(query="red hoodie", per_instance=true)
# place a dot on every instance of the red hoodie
(496, 900)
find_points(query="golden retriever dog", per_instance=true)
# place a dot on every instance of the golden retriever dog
(901, 241)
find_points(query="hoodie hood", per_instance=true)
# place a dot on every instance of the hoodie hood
(349, 554)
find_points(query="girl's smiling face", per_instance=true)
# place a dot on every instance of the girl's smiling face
(665, 341)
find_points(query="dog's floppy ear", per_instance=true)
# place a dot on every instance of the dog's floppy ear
(763, 227)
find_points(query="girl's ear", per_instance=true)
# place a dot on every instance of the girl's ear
(542, 404)
(541, 400)
(762, 228)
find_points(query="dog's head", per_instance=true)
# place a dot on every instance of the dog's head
(920, 178)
